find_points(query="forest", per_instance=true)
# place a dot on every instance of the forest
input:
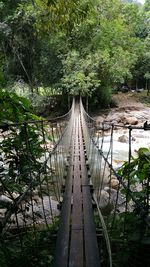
(51, 51)
(87, 47)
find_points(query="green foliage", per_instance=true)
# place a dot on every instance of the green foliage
(60, 15)
(21, 146)
(130, 239)
(80, 75)
(21, 149)
(137, 173)
(129, 233)
(17, 40)
(147, 5)
(37, 249)
(124, 228)
(14, 108)
(78, 47)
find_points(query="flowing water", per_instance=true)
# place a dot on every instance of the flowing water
(140, 138)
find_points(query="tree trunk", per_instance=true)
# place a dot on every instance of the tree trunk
(21, 63)
(68, 102)
(136, 86)
(87, 104)
(146, 85)
(148, 88)
(30, 83)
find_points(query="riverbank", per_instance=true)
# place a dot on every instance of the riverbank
(127, 105)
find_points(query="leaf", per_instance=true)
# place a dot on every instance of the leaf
(142, 151)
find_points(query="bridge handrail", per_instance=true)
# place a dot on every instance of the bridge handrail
(87, 134)
(137, 203)
(56, 119)
(118, 212)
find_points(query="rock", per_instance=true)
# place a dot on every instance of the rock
(128, 120)
(104, 127)
(131, 120)
(124, 118)
(5, 201)
(105, 204)
(114, 122)
(2, 213)
(104, 198)
(99, 121)
(113, 195)
(98, 133)
(15, 195)
(123, 139)
(114, 183)
(40, 213)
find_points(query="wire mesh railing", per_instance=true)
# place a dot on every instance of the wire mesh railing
(119, 171)
(33, 159)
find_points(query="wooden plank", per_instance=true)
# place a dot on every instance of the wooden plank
(77, 201)
(76, 245)
(76, 252)
(91, 248)
(62, 245)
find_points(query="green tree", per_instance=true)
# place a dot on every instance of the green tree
(80, 76)
(84, 46)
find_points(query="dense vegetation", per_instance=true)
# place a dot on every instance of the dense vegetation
(71, 47)
(67, 47)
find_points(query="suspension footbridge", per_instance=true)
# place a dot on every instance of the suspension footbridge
(77, 244)
(62, 163)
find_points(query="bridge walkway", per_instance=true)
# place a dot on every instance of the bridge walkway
(76, 241)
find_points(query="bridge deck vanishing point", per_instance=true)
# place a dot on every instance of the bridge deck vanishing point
(76, 241)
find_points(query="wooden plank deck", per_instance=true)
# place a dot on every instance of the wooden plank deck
(76, 242)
